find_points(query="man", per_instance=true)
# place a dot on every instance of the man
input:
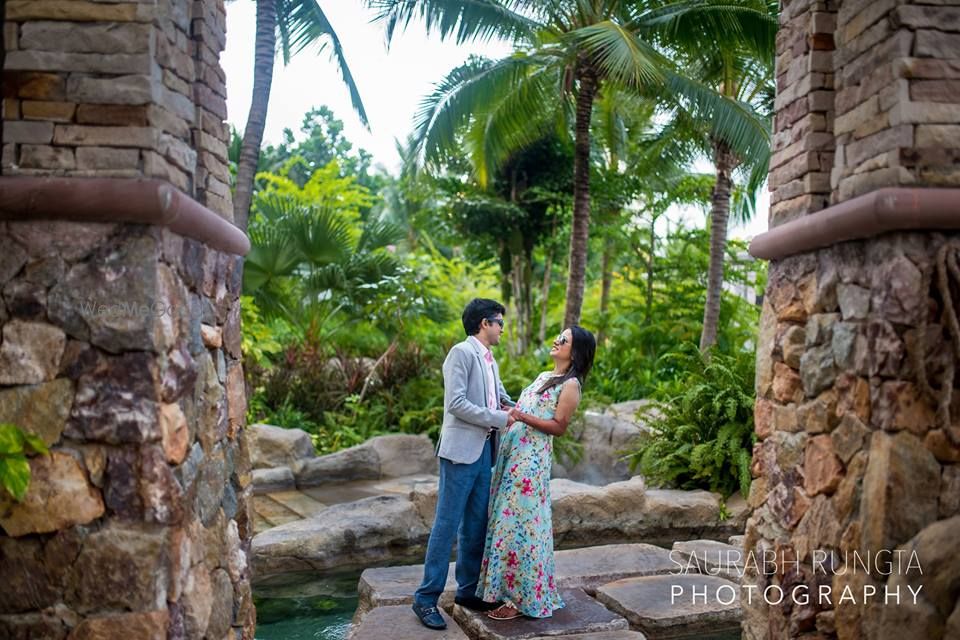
(473, 402)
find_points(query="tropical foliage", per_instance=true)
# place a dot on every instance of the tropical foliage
(703, 429)
(564, 179)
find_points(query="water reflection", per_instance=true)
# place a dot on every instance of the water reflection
(306, 607)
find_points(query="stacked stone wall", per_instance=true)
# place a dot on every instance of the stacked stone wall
(897, 96)
(120, 89)
(858, 423)
(803, 145)
(120, 347)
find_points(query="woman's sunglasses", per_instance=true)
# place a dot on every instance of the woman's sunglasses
(561, 340)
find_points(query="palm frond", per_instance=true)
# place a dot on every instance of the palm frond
(620, 55)
(302, 23)
(466, 20)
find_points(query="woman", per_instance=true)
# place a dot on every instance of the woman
(517, 563)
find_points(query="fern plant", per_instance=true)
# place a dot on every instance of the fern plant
(702, 433)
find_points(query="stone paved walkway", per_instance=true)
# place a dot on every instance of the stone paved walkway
(613, 592)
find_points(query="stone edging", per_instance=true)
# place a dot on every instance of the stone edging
(143, 201)
(880, 211)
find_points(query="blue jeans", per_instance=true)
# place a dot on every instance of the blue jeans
(462, 513)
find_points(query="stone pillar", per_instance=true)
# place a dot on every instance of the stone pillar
(120, 340)
(123, 89)
(803, 143)
(857, 411)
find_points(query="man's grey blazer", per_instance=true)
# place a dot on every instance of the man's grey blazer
(466, 418)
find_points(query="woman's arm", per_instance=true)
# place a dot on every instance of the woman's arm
(566, 406)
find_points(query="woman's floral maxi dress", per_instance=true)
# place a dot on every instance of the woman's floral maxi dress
(518, 558)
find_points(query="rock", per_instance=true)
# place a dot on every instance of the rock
(39, 409)
(276, 479)
(817, 370)
(822, 470)
(848, 437)
(950, 492)
(404, 455)
(664, 605)
(935, 581)
(211, 483)
(116, 403)
(896, 291)
(792, 345)
(148, 626)
(57, 497)
(606, 436)
(212, 336)
(352, 534)
(820, 414)
(278, 447)
(590, 567)
(582, 614)
(901, 490)
(174, 433)
(236, 399)
(356, 463)
(123, 313)
(71, 241)
(424, 497)
(30, 352)
(400, 623)
(197, 602)
(854, 301)
(32, 572)
(12, 260)
(787, 385)
(221, 613)
(818, 529)
(765, 344)
(120, 569)
(391, 586)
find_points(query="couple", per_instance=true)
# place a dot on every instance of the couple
(504, 553)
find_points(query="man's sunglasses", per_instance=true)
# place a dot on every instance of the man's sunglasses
(499, 321)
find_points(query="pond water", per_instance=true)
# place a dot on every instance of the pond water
(305, 607)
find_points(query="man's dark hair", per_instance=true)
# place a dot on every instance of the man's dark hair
(478, 309)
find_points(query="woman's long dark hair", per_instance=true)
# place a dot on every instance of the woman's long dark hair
(582, 350)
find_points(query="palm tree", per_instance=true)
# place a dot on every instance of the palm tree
(298, 23)
(579, 47)
(740, 69)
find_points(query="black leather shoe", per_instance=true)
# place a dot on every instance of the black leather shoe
(477, 604)
(430, 617)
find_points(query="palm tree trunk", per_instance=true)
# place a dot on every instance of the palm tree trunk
(263, 57)
(725, 162)
(606, 281)
(653, 249)
(580, 232)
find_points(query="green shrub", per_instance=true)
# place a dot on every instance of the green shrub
(703, 436)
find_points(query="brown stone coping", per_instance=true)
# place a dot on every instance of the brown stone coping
(143, 201)
(880, 211)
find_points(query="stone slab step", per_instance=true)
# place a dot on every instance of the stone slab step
(400, 623)
(586, 569)
(622, 634)
(710, 556)
(590, 567)
(275, 513)
(582, 614)
(300, 503)
(665, 607)
(388, 586)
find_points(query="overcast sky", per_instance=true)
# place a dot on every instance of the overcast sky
(391, 82)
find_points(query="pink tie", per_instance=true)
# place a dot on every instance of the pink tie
(489, 357)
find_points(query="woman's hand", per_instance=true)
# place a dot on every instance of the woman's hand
(515, 413)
